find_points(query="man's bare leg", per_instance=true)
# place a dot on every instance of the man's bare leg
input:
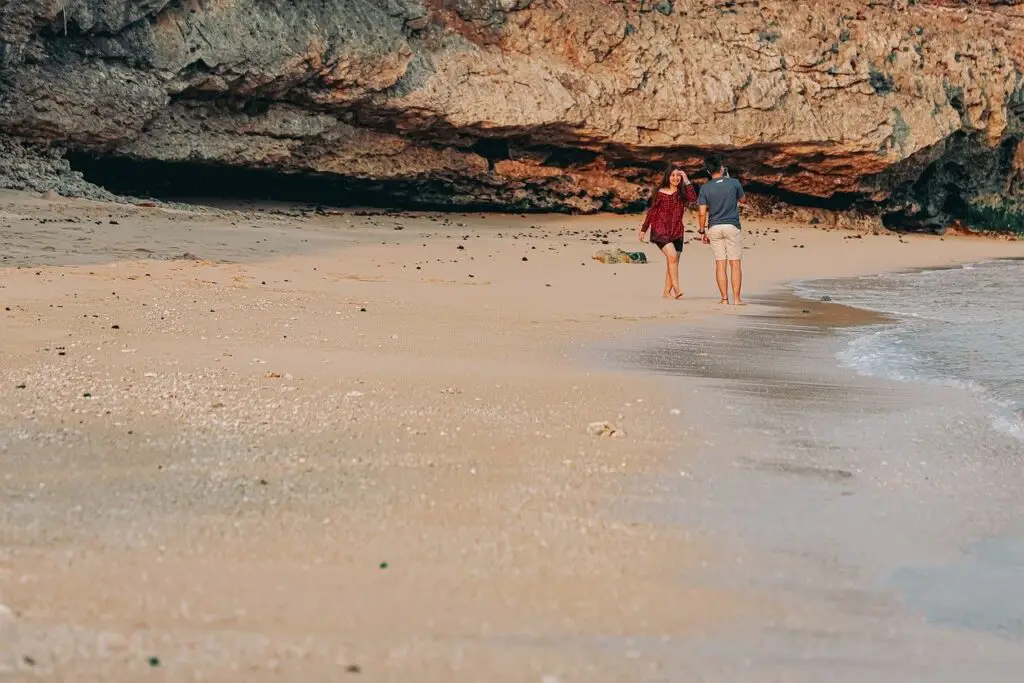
(737, 282)
(722, 279)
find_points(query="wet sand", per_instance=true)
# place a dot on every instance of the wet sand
(881, 518)
(254, 446)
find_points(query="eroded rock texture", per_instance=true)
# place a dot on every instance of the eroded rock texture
(541, 104)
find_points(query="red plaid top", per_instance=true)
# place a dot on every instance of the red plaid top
(665, 217)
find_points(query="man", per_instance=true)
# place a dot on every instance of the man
(719, 205)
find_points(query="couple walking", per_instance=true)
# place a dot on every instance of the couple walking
(719, 206)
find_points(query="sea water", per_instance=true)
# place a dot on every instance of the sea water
(961, 327)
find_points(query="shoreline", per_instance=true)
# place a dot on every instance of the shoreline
(250, 426)
(880, 516)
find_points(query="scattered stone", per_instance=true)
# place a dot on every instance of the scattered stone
(604, 429)
(826, 298)
(675, 411)
(620, 256)
(354, 394)
(22, 385)
(115, 327)
(353, 668)
(273, 375)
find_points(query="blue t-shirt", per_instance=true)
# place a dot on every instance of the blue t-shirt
(722, 196)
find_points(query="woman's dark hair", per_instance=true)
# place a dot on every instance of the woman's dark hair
(666, 181)
(713, 164)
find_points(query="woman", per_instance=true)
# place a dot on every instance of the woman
(665, 223)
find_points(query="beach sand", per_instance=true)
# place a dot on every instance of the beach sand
(248, 445)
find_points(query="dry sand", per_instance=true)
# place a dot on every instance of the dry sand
(256, 446)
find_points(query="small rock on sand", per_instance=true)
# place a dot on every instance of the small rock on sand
(604, 429)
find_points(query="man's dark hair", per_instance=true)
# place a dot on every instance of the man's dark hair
(713, 164)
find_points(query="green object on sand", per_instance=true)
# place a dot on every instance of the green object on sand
(620, 256)
(154, 661)
(383, 565)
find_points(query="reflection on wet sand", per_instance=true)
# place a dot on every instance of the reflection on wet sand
(854, 502)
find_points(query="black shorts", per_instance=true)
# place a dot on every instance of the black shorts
(678, 244)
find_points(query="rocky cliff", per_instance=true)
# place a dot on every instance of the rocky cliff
(914, 106)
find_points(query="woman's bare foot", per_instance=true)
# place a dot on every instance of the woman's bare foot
(739, 302)
(724, 301)
(679, 295)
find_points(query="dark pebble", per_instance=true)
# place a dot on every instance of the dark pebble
(154, 661)
(353, 669)
(115, 327)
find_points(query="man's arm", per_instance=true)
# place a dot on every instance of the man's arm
(702, 209)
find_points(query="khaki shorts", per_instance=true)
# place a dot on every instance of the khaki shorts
(726, 242)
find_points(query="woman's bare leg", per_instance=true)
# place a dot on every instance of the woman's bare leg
(667, 292)
(675, 275)
(672, 270)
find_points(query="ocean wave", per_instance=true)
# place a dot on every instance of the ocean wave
(955, 327)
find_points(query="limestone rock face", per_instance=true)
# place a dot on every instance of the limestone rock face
(573, 105)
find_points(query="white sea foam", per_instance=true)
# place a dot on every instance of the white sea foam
(957, 327)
